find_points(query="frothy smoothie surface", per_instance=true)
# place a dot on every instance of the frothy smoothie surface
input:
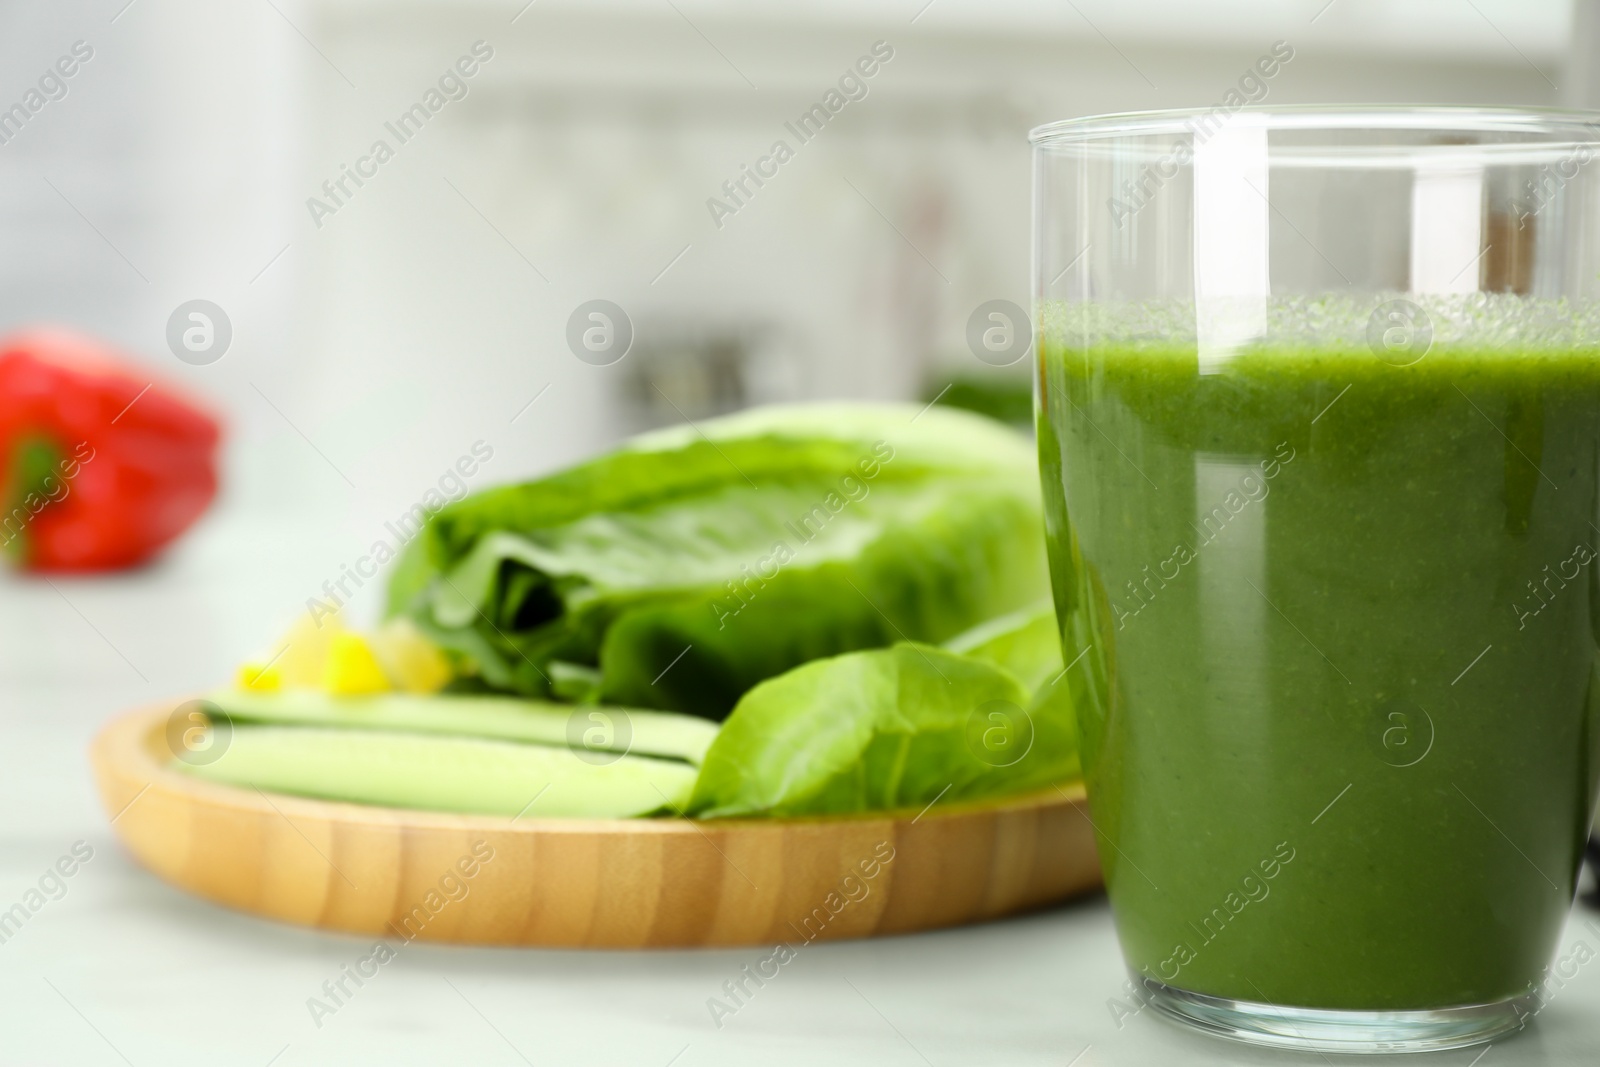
(1340, 593)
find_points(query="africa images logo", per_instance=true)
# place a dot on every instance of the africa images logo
(452, 85)
(852, 87)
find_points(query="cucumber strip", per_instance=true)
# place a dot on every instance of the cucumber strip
(593, 727)
(441, 773)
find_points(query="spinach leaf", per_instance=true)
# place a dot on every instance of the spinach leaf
(1027, 643)
(886, 729)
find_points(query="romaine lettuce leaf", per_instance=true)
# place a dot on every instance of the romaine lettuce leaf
(693, 563)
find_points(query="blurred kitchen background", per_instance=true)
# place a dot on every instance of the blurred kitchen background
(373, 345)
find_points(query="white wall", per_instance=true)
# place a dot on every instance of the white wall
(375, 349)
(595, 136)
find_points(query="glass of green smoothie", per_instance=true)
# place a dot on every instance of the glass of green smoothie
(1318, 406)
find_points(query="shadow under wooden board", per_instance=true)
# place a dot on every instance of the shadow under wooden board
(606, 883)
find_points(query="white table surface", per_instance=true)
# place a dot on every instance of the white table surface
(124, 969)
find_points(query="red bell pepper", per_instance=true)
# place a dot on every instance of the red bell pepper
(101, 465)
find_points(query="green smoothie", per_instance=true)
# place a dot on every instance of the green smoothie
(1339, 709)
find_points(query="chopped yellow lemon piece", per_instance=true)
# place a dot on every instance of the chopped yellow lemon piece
(260, 676)
(352, 669)
(304, 652)
(412, 662)
(321, 653)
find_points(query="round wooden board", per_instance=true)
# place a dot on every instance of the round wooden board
(615, 883)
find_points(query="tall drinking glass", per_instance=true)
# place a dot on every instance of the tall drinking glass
(1319, 424)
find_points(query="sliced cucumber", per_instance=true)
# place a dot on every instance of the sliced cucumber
(443, 773)
(596, 728)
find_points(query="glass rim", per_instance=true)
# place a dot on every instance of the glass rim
(1312, 117)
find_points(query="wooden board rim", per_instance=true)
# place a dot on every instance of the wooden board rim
(128, 759)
